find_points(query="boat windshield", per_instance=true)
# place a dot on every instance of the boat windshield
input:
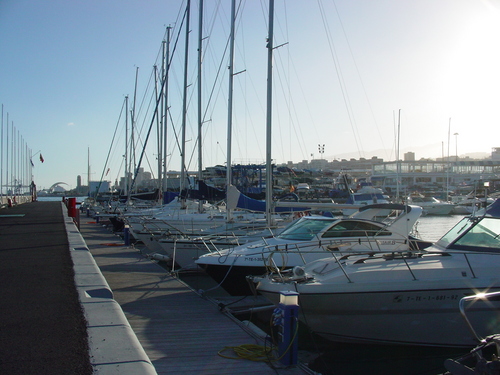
(304, 229)
(485, 234)
(354, 228)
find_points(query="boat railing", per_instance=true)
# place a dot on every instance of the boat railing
(480, 297)
(162, 228)
(484, 357)
(341, 257)
(338, 251)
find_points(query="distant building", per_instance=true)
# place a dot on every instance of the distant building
(495, 154)
(99, 187)
(409, 156)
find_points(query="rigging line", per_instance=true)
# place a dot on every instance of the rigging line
(159, 56)
(112, 141)
(148, 86)
(289, 104)
(157, 103)
(358, 73)
(176, 136)
(219, 71)
(304, 96)
(291, 108)
(138, 139)
(212, 23)
(291, 101)
(218, 75)
(339, 76)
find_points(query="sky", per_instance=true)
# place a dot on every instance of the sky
(351, 79)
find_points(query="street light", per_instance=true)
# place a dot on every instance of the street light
(456, 146)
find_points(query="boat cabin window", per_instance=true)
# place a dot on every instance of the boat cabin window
(353, 228)
(304, 229)
(485, 234)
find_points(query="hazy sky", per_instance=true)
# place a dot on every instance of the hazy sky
(345, 70)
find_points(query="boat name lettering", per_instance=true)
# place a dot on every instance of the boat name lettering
(254, 259)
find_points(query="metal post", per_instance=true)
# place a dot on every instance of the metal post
(286, 318)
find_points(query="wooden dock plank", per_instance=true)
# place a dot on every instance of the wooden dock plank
(180, 331)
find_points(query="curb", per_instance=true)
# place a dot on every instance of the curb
(113, 345)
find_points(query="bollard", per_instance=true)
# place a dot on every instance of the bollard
(72, 207)
(286, 318)
(126, 235)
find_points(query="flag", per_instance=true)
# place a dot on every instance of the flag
(107, 171)
(41, 158)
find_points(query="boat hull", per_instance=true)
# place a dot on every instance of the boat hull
(409, 317)
(234, 280)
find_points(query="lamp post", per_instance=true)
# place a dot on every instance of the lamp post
(456, 146)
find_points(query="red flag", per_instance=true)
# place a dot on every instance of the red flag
(41, 158)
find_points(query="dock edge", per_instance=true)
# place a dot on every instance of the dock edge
(113, 346)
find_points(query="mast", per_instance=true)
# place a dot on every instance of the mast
(7, 157)
(184, 101)
(132, 125)
(1, 158)
(200, 120)
(269, 168)
(159, 128)
(398, 164)
(88, 171)
(126, 181)
(165, 106)
(448, 163)
(229, 175)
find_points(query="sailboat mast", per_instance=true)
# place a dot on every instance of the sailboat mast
(184, 100)
(165, 106)
(132, 146)
(448, 162)
(126, 181)
(200, 120)
(229, 175)
(269, 168)
(159, 127)
(88, 171)
(398, 163)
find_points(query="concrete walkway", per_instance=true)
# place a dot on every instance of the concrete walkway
(42, 327)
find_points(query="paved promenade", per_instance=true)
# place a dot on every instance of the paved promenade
(42, 326)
